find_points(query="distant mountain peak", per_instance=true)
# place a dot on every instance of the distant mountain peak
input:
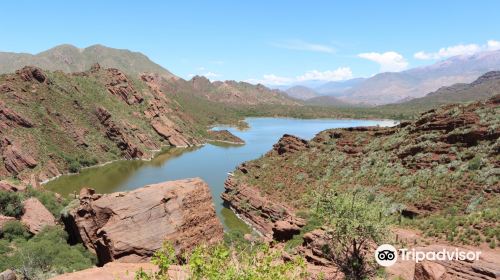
(301, 92)
(69, 58)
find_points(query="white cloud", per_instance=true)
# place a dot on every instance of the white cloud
(209, 75)
(460, 49)
(304, 46)
(389, 61)
(271, 79)
(493, 45)
(339, 74)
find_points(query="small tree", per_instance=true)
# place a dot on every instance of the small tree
(355, 221)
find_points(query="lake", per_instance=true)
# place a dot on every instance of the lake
(211, 162)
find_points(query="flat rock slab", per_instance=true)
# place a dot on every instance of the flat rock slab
(122, 271)
(131, 226)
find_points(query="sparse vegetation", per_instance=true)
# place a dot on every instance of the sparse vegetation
(44, 255)
(227, 262)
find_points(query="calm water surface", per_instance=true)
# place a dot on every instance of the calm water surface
(211, 162)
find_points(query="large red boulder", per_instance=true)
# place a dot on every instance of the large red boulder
(131, 226)
(36, 216)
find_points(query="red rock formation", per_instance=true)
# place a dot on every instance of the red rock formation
(36, 216)
(15, 159)
(289, 144)
(31, 73)
(168, 130)
(120, 86)
(49, 170)
(273, 220)
(11, 118)
(118, 135)
(6, 186)
(130, 227)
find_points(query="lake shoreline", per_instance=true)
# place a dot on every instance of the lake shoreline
(211, 162)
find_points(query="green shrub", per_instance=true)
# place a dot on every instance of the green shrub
(11, 204)
(475, 163)
(13, 230)
(47, 254)
(354, 219)
(74, 167)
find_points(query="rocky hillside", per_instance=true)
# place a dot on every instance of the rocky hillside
(440, 172)
(234, 93)
(70, 59)
(52, 122)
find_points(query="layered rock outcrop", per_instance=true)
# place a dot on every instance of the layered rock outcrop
(15, 158)
(10, 118)
(131, 226)
(116, 134)
(31, 73)
(289, 144)
(271, 219)
(119, 85)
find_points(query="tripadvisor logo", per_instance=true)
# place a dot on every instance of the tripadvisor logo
(387, 255)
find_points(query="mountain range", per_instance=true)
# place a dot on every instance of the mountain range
(383, 88)
(70, 59)
(396, 87)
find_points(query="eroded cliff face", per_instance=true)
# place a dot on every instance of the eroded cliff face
(52, 122)
(131, 226)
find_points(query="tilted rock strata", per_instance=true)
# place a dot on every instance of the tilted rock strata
(271, 219)
(131, 226)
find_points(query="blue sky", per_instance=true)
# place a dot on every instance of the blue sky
(277, 42)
